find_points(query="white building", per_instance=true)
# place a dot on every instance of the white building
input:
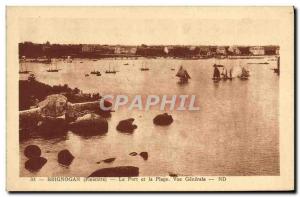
(257, 50)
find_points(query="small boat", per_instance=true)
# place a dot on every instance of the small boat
(245, 74)
(126, 64)
(81, 62)
(277, 70)
(109, 71)
(24, 72)
(230, 74)
(54, 67)
(52, 70)
(87, 75)
(144, 68)
(98, 74)
(216, 75)
(224, 74)
(172, 68)
(23, 66)
(69, 60)
(183, 75)
(95, 72)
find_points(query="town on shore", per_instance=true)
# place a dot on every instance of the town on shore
(49, 50)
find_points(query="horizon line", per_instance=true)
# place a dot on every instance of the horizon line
(103, 44)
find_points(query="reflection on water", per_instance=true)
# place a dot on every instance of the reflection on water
(234, 133)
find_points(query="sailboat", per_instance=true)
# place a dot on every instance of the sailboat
(95, 72)
(53, 69)
(224, 74)
(144, 68)
(69, 60)
(230, 74)
(277, 70)
(245, 74)
(109, 71)
(216, 75)
(183, 75)
(23, 66)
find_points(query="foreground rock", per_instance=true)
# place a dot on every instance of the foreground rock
(109, 160)
(64, 157)
(35, 164)
(126, 126)
(56, 106)
(32, 151)
(163, 119)
(89, 124)
(121, 171)
(144, 155)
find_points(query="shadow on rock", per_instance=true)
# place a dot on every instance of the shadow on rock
(121, 171)
(46, 135)
(89, 125)
(126, 126)
(163, 119)
(52, 125)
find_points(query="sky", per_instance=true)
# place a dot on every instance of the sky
(151, 31)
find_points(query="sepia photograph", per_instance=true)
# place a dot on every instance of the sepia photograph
(149, 92)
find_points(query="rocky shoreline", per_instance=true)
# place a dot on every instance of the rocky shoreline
(55, 116)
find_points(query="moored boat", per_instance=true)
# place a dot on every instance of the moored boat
(144, 68)
(109, 71)
(216, 75)
(95, 72)
(53, 67)
(183, 75)
(244, 75)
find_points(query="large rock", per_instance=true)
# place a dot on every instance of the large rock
(64, 157)
(121, 171)
(53, 106)
(89, 124)
(126, 126)
(32, 151)
(35, 164)
(29, 119)
(163, 119)
(144, 155)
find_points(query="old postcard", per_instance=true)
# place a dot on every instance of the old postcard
(150, 98)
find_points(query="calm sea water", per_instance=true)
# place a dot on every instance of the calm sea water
(235, 132)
